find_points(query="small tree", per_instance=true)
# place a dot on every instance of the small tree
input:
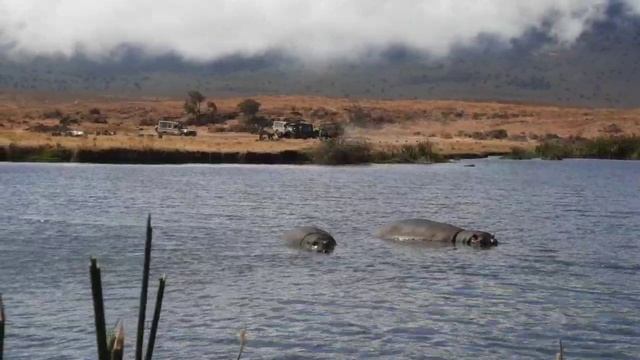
(249, 107)
(213, 108)
(192, 104)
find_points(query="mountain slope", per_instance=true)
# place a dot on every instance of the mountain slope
(602, 68)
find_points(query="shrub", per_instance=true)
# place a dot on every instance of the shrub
(249, 107)
(340, 152)
(555, 150)
(520, 153)
(422, 152)
(68, 120)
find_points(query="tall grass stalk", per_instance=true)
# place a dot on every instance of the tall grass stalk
(98, 308)
(144, 290)
(156, 318)
(560, 355)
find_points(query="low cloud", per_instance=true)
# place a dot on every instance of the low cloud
(203, 30)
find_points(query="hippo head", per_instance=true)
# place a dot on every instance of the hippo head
(476, 238)
(318, 242)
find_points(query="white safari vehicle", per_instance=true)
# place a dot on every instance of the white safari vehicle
(166, 127)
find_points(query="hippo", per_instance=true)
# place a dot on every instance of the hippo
(310, 238)
(422, 231)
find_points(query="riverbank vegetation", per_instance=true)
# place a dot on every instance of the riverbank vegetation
(45, 153)
(334, 152)
(346, 152)
(625, 147)
(606, 147)
(520, 153)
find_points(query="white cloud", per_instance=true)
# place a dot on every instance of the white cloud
(310, 29)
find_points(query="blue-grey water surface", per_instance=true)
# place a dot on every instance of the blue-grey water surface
(568, 266)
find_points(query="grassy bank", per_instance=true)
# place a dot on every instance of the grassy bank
(146, 156)
(609, 147)
(341, 152)
(615, 147)
(336, 152)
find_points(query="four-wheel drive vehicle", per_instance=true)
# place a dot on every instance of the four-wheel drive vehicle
(294, 130)
(165, 127)
(74, 133)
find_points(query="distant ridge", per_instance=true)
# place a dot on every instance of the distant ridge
(602, 68)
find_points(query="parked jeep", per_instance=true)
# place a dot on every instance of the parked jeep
(294, 129)
(166, 127)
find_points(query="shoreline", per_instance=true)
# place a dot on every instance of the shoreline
(50, 154)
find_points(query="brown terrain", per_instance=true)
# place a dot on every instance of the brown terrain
(454, 127)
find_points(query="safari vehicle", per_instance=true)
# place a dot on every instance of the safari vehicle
(166, 127)
(294, 129)
(74, 133)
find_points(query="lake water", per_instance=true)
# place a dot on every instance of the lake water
(568, 265)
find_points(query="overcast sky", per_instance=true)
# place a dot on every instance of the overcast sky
(310, 29)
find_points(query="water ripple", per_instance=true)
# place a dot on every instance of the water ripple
(567, 266)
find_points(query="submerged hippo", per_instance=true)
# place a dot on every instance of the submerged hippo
(421, 230)
(310, 238)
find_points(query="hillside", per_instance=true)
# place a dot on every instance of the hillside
(601, 69)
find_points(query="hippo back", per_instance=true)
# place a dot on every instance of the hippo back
(419, 230)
